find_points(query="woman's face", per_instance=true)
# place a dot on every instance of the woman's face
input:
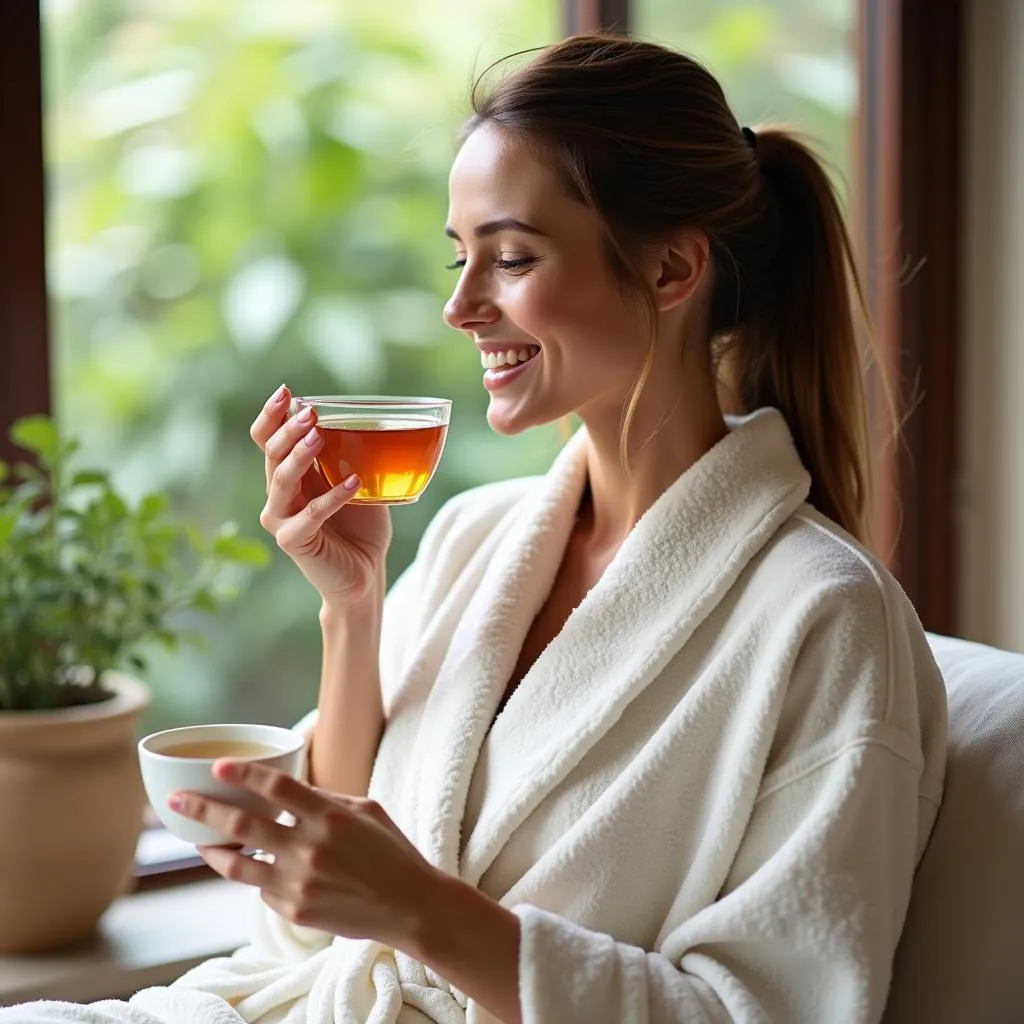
(536, 282)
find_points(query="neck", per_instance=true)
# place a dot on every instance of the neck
(663, 444)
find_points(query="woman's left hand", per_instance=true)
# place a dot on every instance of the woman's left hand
(344, 867)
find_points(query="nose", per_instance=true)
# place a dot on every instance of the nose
(469, 307)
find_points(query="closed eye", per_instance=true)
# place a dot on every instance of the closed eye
(518, 263)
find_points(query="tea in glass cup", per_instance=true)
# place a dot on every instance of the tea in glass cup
(393, 444)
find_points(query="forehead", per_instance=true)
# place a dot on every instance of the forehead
(495, 175)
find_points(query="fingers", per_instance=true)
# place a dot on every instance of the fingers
(290, 446)
(284, 438)
(237, 866)
(289, 909)
(274, 786)
(296, 534)
(286, 478)
(245, 827)
(271, 417)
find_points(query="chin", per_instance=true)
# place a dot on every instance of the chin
(509, 426)
(511, 421)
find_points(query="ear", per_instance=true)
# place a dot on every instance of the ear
(682, 266)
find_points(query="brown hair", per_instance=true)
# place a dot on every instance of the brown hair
(643, 135)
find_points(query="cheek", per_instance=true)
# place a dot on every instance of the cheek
(597, 331)
(537, 304)
(564, 307)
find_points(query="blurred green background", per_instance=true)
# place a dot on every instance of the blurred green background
(245, 192)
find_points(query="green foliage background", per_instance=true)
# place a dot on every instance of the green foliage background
(247, 192)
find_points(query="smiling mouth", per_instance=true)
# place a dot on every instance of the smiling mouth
(509, 357)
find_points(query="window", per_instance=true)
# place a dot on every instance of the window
(243, 194)
(789, 61)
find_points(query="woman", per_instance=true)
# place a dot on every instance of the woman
(651, 738)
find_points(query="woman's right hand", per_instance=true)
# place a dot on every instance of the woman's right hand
(340, 548)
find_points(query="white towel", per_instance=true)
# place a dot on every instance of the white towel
(705, 800)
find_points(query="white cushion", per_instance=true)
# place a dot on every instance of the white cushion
(961, 957)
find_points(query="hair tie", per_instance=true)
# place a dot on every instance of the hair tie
(751, 136)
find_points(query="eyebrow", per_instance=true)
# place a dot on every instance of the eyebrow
(492, 227)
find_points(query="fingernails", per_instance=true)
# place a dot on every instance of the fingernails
(351, 483)
(176, 802)
(305, 416)
(278, 396)
(227, 770)
(313, 439)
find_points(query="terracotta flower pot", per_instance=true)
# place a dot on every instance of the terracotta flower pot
(71, 804)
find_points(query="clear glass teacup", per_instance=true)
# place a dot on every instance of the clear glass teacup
(393, 443)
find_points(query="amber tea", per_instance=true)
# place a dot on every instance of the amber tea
(395, 458)
(393, 443)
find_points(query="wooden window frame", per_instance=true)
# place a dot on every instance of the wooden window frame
(588, 16)
(24, 308)
(911, 132)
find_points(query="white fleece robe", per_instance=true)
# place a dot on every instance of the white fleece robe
(705, 800)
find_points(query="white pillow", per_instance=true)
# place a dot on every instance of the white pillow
(961, 956)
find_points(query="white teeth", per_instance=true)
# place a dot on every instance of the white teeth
(492, 360)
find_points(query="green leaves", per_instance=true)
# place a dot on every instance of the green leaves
(87, 477)
(8, 524)
(152, 507)
(86, 579)
(38, 435)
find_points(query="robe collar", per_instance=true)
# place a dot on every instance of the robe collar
(671, 571)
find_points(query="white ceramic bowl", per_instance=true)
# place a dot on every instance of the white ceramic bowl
(163, 775)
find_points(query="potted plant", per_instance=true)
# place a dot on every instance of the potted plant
(87, 582)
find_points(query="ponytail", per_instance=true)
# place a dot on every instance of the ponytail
(795, 343)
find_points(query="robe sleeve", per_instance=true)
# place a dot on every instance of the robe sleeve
(805, 926)
(808, 935)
